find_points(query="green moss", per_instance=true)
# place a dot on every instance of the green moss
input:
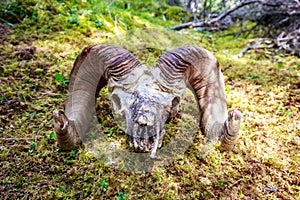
(175, 13)
(263, 86)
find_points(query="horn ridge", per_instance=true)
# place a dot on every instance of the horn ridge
(201, 72)
(91, 71)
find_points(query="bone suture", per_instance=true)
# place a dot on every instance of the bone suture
(145, 97)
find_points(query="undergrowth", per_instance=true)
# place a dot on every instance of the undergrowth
(40, 41)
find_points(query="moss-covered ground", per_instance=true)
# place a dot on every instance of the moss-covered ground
(36, 56)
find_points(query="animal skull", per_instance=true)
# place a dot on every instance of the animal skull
(145, 97)
(144, 106)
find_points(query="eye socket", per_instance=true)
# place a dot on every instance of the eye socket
(175, 101)
(116, 102)
(174, 108)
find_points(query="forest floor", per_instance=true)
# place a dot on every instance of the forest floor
(35, 63)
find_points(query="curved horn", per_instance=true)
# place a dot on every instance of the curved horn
(91, 71)
(203, 76)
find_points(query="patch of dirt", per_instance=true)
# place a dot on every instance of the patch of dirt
(5, 31)
(24, 52)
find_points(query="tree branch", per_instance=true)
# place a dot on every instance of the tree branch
(225, 14)
(254, 47)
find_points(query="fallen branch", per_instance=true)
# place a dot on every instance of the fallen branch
(223, 15)
(200, 24)
(278, 19)
(187, 25)
(228, 12)
(254, 47)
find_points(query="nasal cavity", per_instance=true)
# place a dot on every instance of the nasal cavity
(142, 120)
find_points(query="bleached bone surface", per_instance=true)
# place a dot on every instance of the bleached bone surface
(143, 100)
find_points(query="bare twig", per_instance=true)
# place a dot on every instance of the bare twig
(254, 47)
(49, 93)
(236, 182)
(3, 96)
(21, 139)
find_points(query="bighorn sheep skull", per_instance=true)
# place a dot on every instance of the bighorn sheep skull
(144, 96)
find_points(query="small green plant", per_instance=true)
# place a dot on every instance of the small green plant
(280, 64)
(122, 196)
(286, 112)
(59, 78)
(74, 20)
(104, 185)
(73, 155)
(98, 23)
(253, 77)
(221, 183)
(32, 145)
(51, 136)
(62, 189)
(213, 159)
